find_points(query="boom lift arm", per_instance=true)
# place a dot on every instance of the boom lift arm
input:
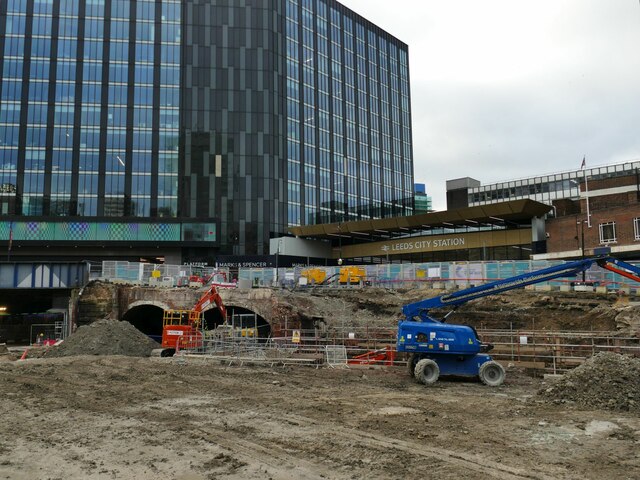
(420, 310)
(621, 268)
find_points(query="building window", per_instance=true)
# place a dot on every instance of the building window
(607, 232)
(636, 228)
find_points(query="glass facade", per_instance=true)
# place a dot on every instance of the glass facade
(349, 154)
(90, 103)
(249, 115)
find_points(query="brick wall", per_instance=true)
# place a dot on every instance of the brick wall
(599, 184)
(565, 233)
(606, 202)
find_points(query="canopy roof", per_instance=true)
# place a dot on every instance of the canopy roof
(512, 212)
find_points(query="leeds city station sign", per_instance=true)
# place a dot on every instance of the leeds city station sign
(421, 245)
(436, 243)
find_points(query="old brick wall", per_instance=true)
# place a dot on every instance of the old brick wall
(565, 233)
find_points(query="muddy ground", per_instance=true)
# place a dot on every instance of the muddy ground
(94, 415)
(117, 417)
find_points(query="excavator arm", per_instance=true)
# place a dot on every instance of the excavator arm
(211, 296)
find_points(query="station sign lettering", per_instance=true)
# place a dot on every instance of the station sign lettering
(425, 244)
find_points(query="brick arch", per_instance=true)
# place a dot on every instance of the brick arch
(146, 316)
(142, 303)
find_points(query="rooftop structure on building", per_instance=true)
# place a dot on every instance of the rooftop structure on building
(542, 188)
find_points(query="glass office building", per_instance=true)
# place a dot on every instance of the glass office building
(199, 127)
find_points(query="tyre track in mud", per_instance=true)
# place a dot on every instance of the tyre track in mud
(273, 453)
(466, 462)
(281, 464)
(458, 459)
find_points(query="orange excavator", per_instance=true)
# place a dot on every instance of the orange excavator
(181, 328)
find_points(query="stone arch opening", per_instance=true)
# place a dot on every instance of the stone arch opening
(212, 318)
(147, 318)
(239, 317)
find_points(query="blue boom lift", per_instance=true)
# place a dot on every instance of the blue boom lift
(436, 348)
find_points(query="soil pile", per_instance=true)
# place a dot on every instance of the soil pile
(628, 320)
(5, 355)
(606, 380)
(105, 337)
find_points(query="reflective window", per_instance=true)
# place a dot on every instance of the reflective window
(607, 232)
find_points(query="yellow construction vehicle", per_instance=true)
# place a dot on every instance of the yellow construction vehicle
(315, 276)
(346, 275)
(352, 275)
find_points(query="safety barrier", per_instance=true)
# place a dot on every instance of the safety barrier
(555, 352)
(543, 351)
(160, 275)
(437, 275)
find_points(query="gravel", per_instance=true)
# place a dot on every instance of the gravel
(105, 337)
(607, 380)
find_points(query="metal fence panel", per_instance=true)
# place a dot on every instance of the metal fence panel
(336, 355)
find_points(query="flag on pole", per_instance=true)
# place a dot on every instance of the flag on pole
(584, 162)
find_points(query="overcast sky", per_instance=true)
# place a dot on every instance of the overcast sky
(505, 89)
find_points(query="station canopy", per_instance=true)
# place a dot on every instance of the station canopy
(504, 214)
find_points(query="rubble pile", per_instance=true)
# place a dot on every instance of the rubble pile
(606, 380)
(5, 355)
(105, 337)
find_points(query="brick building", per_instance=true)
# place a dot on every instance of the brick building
(607, 214)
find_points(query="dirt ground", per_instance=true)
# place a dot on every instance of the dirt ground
(117, 417)
(96, 407)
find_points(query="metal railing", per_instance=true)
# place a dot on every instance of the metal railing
(436, 275)
(555, 351)
(543, 351)
(163, 275)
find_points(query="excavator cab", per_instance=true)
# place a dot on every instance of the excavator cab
(180, 330)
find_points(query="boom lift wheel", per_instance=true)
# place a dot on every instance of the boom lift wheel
(491, 374)
(412, 359)
(427, 371)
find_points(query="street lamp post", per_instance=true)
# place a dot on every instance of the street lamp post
(581, 223)
(586, 191)
(340, 243)
(277, 256)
